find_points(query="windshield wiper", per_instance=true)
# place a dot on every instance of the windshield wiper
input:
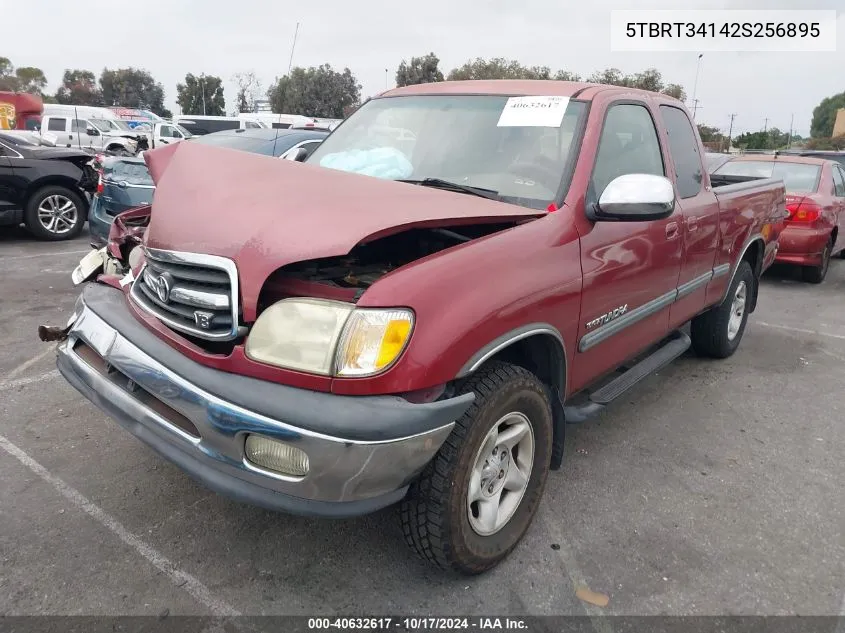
(439, 183)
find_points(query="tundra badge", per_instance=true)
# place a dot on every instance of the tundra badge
(607, 317)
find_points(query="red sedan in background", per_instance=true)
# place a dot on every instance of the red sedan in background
(815, 201)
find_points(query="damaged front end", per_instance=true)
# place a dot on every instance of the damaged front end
(108, 264)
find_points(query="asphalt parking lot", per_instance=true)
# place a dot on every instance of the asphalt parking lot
(716, 488)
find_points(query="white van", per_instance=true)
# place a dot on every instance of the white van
(278, 121)
(200, 124)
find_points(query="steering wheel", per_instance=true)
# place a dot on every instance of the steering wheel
(546, 176)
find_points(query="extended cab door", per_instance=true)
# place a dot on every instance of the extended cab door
(630, 269)
(697, 213)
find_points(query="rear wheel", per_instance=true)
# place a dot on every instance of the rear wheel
(55, 213)
(816, 274)
(476, 499)
(717, 332)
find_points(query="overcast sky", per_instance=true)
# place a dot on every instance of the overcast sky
(172, 37)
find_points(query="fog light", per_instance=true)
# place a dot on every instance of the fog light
(276, 456)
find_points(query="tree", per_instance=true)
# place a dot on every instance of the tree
(770, 139)
(79, 87)
(23, 79)
(649, 79)
(30, 79)
(201, 94)
(824, 116)
(316, 92)
(498, 68)
(133, 88)
(837, 143)
(249, 87)
(710, 134)
(565, 75)
(420, 70)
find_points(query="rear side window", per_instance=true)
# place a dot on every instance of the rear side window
(56, 125)
(684, 148)
(628, 145)
(839, 182)
(797, 177)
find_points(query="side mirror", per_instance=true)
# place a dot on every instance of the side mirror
(299, 154)
(635, 198)
(92, 131)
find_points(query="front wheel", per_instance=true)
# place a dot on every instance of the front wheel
(717, 332)
(816, 274)
(55, 213)
(476, 499)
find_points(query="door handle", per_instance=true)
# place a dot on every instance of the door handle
(692, 223)
(671, 230)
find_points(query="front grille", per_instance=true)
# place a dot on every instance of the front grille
(192, 293)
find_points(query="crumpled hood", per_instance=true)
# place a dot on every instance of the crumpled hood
(265, 213)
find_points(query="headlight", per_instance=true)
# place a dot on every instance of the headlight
(329, 337)
(298, 334)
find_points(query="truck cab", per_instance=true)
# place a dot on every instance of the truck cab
(89, 132)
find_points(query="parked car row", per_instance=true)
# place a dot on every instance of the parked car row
(412, 315)
(815, 203)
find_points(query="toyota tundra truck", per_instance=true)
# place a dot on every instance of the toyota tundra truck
(414, 314)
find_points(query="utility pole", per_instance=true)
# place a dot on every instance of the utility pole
(730, 132)
(694, 108)
(695, 84)
(386, 80)
(789, 137)
(293, 47)
(765, 124)
(202, 88)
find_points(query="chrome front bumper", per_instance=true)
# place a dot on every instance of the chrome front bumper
(204, 433)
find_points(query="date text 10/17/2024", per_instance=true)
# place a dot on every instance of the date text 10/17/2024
(419, 624)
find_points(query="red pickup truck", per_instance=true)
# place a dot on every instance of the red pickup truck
(414, 314)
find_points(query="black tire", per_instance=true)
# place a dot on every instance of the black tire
(816, 274)
(33, 222)
(710, 332)
(435, 514)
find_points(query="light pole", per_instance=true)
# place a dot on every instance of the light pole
(202, 88)
(695, 84)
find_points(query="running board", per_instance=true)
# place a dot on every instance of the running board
(599, 399)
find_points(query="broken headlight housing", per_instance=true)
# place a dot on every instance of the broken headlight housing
(331, 338)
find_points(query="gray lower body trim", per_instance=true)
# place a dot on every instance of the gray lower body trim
(721, 270)
(694, 284)
(592, 339)
(603, 333)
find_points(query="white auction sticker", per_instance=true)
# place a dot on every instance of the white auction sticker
(533, 112)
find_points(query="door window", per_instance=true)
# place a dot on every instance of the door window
(167, 131)
(78, 125)
(838, 182)
(57, 125)
(628, 145)
(684, 148)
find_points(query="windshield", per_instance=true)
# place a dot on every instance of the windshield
(104, 125)
(457, 138)
(122, 125)
(19, 140)
(255, 145)
(797, 177)
(186, 133)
